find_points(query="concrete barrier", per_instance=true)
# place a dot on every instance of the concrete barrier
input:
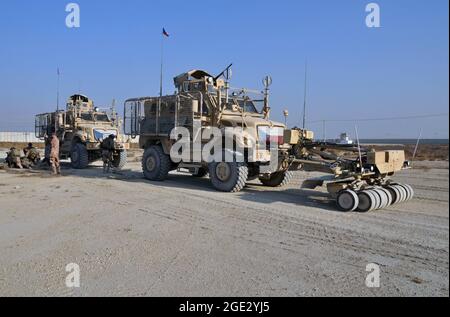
(27, 137)
(19, 137)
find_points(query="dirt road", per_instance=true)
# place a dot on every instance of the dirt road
(133, 237)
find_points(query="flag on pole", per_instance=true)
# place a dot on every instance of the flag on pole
(164, 32)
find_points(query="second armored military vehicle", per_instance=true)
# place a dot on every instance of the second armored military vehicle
(81, 129)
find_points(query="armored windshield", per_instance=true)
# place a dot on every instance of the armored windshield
(247, 105)
(99, 117)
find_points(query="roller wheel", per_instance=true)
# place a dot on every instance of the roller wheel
(411, 191)
(377, 198)
(389, 196)
(408, 194)
(367, 201)
(347, 200)
(403, 193)
(394, 193)
(383, 197)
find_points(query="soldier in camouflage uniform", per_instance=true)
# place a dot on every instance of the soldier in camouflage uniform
(32, 154)
(107, 147)
(54, 154)
(13, 158)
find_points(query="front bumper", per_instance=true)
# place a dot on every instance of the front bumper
(117, 146)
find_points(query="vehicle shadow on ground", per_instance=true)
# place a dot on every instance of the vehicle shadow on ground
(254, 191)
(301, 197)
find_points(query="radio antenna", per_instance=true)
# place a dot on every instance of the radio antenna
(304, 97)
(417, 145)
(359, 148)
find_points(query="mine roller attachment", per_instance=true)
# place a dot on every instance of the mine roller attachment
(359, 179)
(374, 198)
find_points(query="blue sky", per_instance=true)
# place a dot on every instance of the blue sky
(400, 69)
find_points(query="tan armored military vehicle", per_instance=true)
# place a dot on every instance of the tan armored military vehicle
(81, 128)
(208, 103)
(358, 181)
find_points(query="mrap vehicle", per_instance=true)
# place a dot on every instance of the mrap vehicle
(357, 182)
(81, 128)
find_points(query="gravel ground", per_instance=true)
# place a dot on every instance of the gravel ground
(133, 237)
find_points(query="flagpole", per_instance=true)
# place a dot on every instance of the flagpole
(162, 64)
(57, 91)
(160, 80)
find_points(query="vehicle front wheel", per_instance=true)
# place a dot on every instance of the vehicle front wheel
(120, 160)
(228, 177)
(79, 157)
(155, 163)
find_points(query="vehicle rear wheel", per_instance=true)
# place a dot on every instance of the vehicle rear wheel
(277, 179)
(228, 177)
(79, 156)
(120, 160)
(155, 163)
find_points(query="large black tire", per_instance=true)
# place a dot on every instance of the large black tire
(120, 160)
(156, 164)
(277, 179)
(79, 156)
(234, 182)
